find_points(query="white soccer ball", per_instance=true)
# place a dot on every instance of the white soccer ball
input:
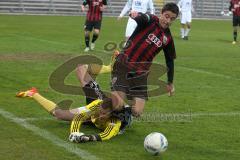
(72, 137)
(155, 143)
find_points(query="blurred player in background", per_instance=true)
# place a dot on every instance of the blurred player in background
(141, 6)
(235, 8)
(93, 20)
(186, 9)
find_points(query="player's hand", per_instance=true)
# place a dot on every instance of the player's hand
(102, 8)
(170, 89)
(180, 10)
(83, 8)
(119, 17)
(133, 14)
(87, 138)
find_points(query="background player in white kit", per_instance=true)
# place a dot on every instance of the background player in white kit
(138, 6)
(186, 9)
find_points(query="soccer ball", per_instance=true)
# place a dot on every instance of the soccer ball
(155, 143)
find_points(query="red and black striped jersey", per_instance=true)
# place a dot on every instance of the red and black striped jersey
(94, 12)
(148, 39)
(235, 7)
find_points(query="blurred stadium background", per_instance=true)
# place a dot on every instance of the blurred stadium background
(203, 8)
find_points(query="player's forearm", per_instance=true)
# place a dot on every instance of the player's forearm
(140, 18)
(170, 73)
(125, 10)
(76, 123)
(230, 6)
(103, 8)
(152, 9)
(110, 131)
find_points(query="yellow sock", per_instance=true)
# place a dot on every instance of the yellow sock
(106, 69)
(45, 103)
(99, 69)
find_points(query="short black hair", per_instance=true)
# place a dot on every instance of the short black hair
(171, 7)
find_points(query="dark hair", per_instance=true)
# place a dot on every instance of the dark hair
(171, 7)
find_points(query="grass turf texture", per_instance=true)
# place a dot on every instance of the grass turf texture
(206, 78)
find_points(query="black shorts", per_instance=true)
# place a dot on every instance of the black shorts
(89, 25)
(236, 21)
(131, 83)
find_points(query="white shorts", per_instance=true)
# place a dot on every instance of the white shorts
(186, 17)
(131, 26)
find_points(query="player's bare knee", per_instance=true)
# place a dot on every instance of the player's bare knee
(138, 107)
(96, 31)
(65, 115)
(58, 114)
(117, 102)
(136, 112)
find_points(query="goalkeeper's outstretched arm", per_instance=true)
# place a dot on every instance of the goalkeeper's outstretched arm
(110, 131)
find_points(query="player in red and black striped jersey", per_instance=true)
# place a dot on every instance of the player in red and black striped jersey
(235, 8)
(146, 42)
(131, 68)
(93, 20)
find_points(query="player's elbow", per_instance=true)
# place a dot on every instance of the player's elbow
(107, 138)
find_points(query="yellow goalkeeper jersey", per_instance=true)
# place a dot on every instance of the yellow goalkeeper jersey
(110, 126)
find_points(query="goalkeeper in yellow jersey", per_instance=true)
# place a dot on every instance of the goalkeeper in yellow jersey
(103, 119)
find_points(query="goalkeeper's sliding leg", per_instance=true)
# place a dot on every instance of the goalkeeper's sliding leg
(92, 92)
(57, 112)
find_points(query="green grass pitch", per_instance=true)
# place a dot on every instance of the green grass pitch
(201, 122)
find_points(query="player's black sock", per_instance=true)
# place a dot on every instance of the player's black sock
(87, 39)
(235, 35)
(94, 38)
(92, 92)
(89, 100)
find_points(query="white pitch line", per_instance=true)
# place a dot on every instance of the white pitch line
(49, 136)
(41, 118)
(209, 73)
